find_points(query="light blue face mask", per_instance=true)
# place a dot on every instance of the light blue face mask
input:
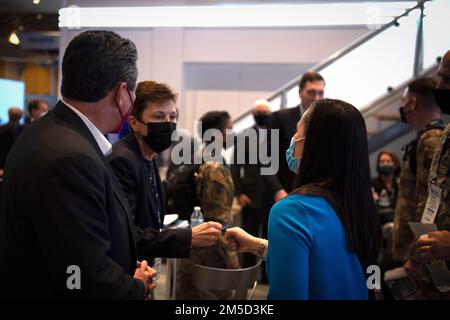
(293, 163)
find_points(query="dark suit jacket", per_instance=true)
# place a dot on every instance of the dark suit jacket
(63, 206)
(128, 165)
(251, 183)
(284, 120)
(8, 134)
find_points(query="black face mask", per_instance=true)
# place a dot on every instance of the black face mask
(386, 169)
(442, 97)
(401, 110)
(159, 136)
(262, 119)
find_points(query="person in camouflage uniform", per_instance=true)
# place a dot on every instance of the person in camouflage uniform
(436, 245)
(418, 109)
(215, 192)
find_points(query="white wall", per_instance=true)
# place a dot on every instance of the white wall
(191, 60)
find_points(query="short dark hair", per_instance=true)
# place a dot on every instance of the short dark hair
(14, 114)
(214, 120)
(423, 87)
(94, 62)
(309, 76)
(151, 92)
(34, 105)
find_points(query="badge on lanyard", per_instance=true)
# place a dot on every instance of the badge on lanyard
(432, 205)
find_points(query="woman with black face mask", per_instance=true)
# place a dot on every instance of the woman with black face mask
(385, 185)
(385, 190)
(152, 122)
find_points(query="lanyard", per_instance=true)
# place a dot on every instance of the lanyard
(440, 165)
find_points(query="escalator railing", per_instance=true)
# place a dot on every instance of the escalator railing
(370, 73)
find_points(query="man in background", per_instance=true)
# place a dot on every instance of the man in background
(8, 134)
(435, 246)
(250, 188)
(36, 109)
(421, 112)
(311, 89)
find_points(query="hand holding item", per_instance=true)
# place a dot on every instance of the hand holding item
(433, 246)
(205, 234)
(241, 241)
(146, 275)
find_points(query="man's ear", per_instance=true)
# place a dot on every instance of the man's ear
(413, 103)
(120, 88)
(133, 123)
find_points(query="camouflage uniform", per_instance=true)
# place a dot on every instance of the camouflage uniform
(443, 217)
(215, 191)
(413, 191)
(427, 289)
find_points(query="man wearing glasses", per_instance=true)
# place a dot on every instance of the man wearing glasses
(311, 89)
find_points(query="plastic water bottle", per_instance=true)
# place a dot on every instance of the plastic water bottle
(196, 217)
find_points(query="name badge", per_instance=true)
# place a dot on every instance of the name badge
(432, 206)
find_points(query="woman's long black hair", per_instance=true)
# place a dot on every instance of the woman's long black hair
(336, 161)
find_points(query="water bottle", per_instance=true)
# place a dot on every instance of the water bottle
(196, 217)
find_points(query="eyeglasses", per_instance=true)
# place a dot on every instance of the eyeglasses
(314, 93)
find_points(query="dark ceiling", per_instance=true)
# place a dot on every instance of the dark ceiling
(27, 6)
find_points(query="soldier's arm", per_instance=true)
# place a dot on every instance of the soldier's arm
(425, 151)
(215, 190)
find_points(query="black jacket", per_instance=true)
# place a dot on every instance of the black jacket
(62, 206)
(285, 121)
(250, 183)
(128, 165)
(8, 134)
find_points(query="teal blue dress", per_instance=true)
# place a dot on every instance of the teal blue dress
(308, 255)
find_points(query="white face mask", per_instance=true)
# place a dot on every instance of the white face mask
(293, 163)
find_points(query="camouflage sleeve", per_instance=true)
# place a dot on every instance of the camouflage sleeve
(443, 216)
(425, 150)
(402, 236)
(215, 190)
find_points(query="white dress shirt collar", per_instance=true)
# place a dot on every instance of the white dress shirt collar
(302, 109)
(102, 142)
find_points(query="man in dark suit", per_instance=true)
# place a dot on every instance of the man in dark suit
(152, 122)
(250, 188)
(311, 88)
(64, 220)
(36, 109)
(8, 134)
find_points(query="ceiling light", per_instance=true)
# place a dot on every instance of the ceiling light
(36, 1)
(267, 15)
(13, 38)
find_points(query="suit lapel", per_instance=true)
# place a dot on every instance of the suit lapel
(131, 141)
(151, 200)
